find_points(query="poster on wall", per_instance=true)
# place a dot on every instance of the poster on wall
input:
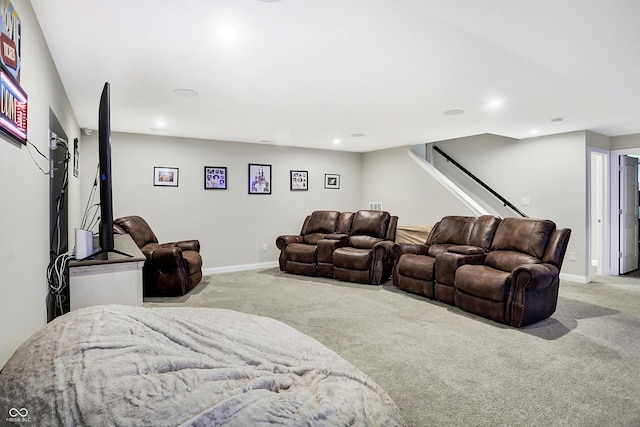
(13, 100)
(10, 39)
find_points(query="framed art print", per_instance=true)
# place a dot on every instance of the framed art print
(215, 178)
(165, 177)
(259, 179)
(299, 180)
(331, 180)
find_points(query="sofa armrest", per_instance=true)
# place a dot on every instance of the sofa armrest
(535, 276)
(326, 247)
(284, 240)
(162, 256)
(466, 250)
(400, 249)
(383, 261)
(189, 245)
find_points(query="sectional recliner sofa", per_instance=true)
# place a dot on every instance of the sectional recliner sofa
(348, 246)
(506, 270)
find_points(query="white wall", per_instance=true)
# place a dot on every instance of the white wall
(231, 225)
(24, 253)
(392, 178)
(549, 171)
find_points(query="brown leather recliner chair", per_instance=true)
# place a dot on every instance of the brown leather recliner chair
(428, 269)
(367, 254)
(299, 253)
(518, 281)
(171, 269)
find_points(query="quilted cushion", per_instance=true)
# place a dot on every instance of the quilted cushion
(371, 223)
(322, 222)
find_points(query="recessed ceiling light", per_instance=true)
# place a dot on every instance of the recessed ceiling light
(453, 112)
(495, 103)
(187, 93)
(336, 141)
(557, 120)
(227, 32)
(533, 131)
(358, 135)
(160, 126)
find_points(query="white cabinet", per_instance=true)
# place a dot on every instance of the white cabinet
(117, 280)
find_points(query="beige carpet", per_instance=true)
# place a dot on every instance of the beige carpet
(445, 367)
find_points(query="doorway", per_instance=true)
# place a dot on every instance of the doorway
(623, 212)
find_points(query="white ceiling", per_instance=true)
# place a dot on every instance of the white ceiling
(305, 72)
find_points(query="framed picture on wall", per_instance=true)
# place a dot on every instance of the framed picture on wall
(331, 180)
(215, 178)
(259, 179)
(165, 177)
(299, 180)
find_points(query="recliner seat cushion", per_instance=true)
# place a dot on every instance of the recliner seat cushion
(352, 258)
(482, 281)
(363, 242)
(300, 252)
(416, 266)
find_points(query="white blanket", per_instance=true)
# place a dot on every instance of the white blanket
(131, 366)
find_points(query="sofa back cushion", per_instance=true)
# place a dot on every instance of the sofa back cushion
(368, 228)
(519, 241)
(453, 230)
(322, 222)
(526, 235)
(138, 229)
(483, 231)
(344, 222)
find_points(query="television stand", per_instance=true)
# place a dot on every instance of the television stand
(114, 279)
(103, 255)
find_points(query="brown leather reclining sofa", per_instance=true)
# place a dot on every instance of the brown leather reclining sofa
(505, 270)
(349, 246)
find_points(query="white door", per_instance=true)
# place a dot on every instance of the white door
(628, 214)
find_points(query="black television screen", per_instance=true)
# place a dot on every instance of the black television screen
(104, 154)
(106, 239)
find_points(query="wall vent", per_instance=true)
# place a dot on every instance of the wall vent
(375, 206)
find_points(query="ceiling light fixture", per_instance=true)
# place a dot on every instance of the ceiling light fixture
(336, 141)
(557, 121)
(453, 112)
(160, 126)
(358, 135)
(495, 103)
(227, 32)
(186, 93)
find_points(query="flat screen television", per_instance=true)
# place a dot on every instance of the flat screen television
(105, 231)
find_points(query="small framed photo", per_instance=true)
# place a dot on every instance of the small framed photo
(299, 180)
(165, 177)
(215, 178)
(259, 179)
(331, 180)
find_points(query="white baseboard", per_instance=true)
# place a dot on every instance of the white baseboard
(236, 268)
(574, 278)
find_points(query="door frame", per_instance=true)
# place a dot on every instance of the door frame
(614, 218)
(598, 193)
